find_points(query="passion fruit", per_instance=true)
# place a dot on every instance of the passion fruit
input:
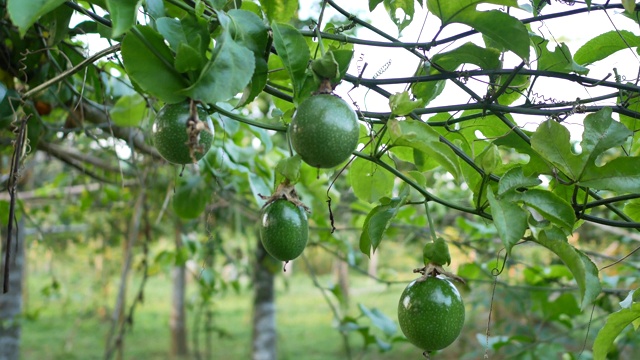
(324, 131)
(284, 229)
(431, 313)
(171, 138)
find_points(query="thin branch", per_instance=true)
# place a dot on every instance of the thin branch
(98, 114)
(429, 44)
(72, 153)
(248, 121)
(451, 75)
(73, 70)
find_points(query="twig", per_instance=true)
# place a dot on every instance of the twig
(73, 70)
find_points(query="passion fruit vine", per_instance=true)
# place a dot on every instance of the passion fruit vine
(284, 229)
(180, 137)
(431, 313)
(324, 131)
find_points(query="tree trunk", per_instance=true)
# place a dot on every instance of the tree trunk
(11, 302)
(264, 309)
(178, 322)
(115, 336)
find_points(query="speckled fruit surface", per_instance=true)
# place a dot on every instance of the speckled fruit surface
(324, 131)
(169, 134)
(284, 230)
(431, 313)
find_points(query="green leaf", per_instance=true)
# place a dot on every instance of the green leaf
(509, 219)
(407, 7)
(499, 26)
(603, 45)
(436, 252)
(489, 159)
(379, 320)
(279, 10)
(374, 3)
(427, 90)
(24, 13)
(149, 63)
(552, 141)
(171, 29)
(601, 132)
(57, 22)
(559, 60)
(616, 322)
(583, 269)
(632, 208)
(551, 207)
(518, 86)
(369, 181)
(376, 223)
(258, 187)
(123, 15)
(503, 28)
(326, 67)
(188, 59)
(250, 31)
(620, 174)
(468, 53)
(629, 6)
(226, 74)
(191, 197)
(514, 179)
(447, 11)
(129, 110)
(289, 168)
(409, 132)
(155, 8)
(401, 104)
(294, 53)
(422, 137)
(343, 58)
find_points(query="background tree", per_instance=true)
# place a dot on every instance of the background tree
(466, 147)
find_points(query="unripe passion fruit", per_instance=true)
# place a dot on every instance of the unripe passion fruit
(284, 229)
(431, 313)
(324, 131)
(169, 134)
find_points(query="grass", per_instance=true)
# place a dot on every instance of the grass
(72, 322)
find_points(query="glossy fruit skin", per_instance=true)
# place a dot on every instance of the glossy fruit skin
(431, 313)
(324, 131)
(284, 229)
(169, 133)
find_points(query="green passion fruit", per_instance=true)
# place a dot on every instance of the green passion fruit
(284, 229)
(324, 131)
(431, 313)
(171, 137)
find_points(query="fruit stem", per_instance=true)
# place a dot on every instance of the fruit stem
(432, 228)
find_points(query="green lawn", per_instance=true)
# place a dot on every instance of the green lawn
(73, 325)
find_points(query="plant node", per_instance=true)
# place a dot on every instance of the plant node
(433, 270)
